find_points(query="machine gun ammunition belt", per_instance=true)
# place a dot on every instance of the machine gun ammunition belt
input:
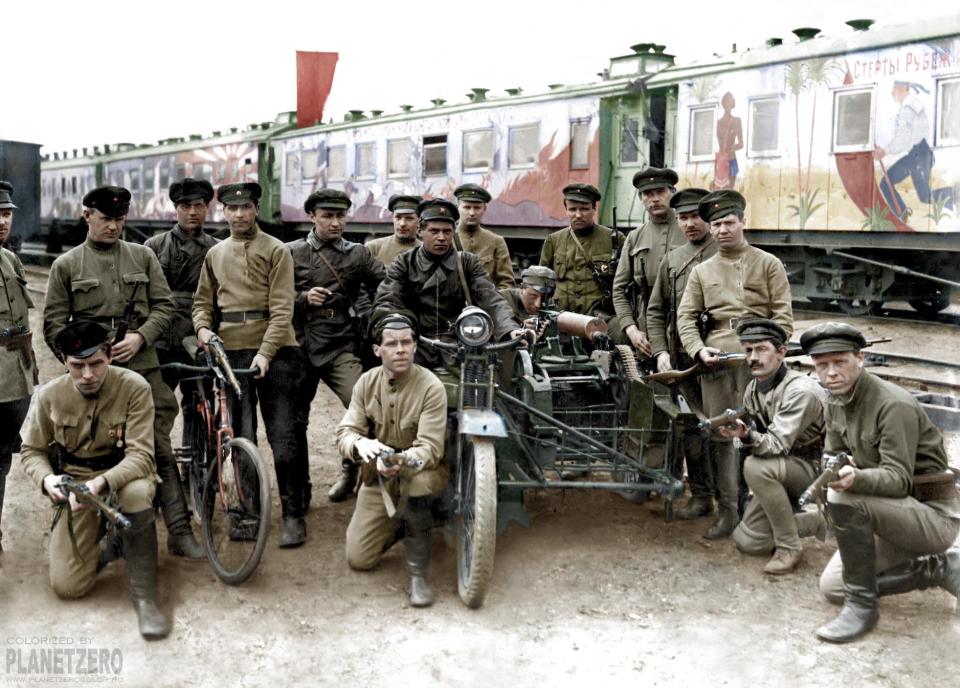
(629, 360)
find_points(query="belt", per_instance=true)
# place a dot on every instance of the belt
(113, 321)
(94, 463)
(723, 324)
(930, 487)
(244, 316)
(315, 313)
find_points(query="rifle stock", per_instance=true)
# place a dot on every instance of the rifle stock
(672, 377)
(725, 419)
(83, 495)
(215, 347)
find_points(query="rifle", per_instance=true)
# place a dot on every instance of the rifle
(726, 419)
(129, 311)
(83, 495)
(219, 354)
(832, 463)
(368, 469)
(672, 377)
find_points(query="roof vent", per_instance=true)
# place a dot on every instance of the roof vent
(774, 42)
(805, 33)
(658, 49)
(641, 48)
(554, 87)
(479, 94)
(196, 137)
(216, 132)
(233, 130)
(356, 115)
(406, 108)
(106, 148)
(437, 102)
(74, 152)
(376, 113)
(84, 152)
(514, 91)
(264, 125)
(860, 24)
(96, 150)
(56, 156)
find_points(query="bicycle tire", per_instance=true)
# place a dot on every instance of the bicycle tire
(476, 519)
(198, 466)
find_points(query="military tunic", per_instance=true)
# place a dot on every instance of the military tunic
(577, 290)
(491, 249)
(385, 249)
(512, 297)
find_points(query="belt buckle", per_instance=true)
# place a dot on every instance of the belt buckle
(245, 313)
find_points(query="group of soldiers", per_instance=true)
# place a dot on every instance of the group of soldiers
(684, 288)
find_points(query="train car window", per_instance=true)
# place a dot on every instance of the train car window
(73, 185)
(63, 185)
(366, 160)
(398, 157)
(336, 163)
(702, 126)
(165, 176)
(853, 120)
(203, 171)
(478, 150)
(630, 139)
(149, 177)
(293, 167)
(179, 171)
(764, 127)
(524, 145)
(135, 182)
(435, 155)
(948, 112)
(579, 144)
(309, 165)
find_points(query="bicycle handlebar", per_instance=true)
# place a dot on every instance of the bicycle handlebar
(205, 369)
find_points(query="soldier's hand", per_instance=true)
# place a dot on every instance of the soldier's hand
(50, 485)
(204, 335)
(124, 350)
(97, 485)
(710, 356)
(663, 362)
(317, 296)
(844, 479)
(639, 339)
(260, 361)
(368, 449)
(739, 429)
(385, 470)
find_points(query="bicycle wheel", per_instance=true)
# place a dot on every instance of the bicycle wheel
(197, 469)
(476, 519)
(236, 512)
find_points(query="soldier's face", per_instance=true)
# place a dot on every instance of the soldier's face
(190, 215)
(764, 358)
(727, 230)
(405, 226)
(532, 300)
(240, 218)
(839, 371)
(6, 223)
(657, 202)
(89, 373)
(581, 215)
(103, 229)
(471, 212)
(693, 226)
(328, 223)
(437, 237)
(396, 350)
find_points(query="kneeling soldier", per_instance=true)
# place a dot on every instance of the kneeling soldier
(397, 408)
(97, 420)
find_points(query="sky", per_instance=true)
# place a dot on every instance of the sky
(93, 72)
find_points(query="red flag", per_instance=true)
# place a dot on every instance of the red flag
(314, 79)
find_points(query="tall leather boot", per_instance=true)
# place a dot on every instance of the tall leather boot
(418, 524)
(140, 551)
(860, 612)
(343, 488)
(931, 571)
(180, 539)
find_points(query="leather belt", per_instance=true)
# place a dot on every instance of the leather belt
(931, 487)
(244, 316)
(725, 324)
(322, 313)
(113, 321)
(94, 463)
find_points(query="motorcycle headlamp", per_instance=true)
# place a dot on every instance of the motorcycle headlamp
(474, 327)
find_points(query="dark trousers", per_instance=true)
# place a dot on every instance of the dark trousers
(917, 165)
(12, 415)
(188, 404)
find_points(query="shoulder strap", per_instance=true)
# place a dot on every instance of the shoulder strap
(336, 276)
(690, 260)
(463, 278)
(593, 272)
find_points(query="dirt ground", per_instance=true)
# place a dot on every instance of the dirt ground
(598, 592)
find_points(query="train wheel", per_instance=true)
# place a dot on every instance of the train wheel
(929, 307)
(860, 307)
(476, 520)
(819, 304)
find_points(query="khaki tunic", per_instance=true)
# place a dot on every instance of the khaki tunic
(512, 297)
(385, 249)
(640, 260)
(577, 290)
(249, 273)
(790, 415)
(16, 376)
(90, 282)
(491, 249)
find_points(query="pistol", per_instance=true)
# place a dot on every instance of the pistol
(832, 463)
(219, 354)
(726, 419)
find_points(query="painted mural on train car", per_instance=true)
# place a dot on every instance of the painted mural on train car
(868, 141)
(523, 154)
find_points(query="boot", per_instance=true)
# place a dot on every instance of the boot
(180, 539)
(111, 549)
(140, 550)
(294, 531)
(783, 562)
(343, 488)
(695, 507)
(727, 521)
(860, 612)
(418, 522)
(397, 536)
(932, 571)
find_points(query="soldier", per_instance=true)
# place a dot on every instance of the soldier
(583, 256)
(788, 439)
(537, 285)
(895, 512)
(181, 251)
(100, 280)
(398, 407)
(739, 281)
(432, 284)
(661, 327)
(488, 246)
(18, 366)
(404, 237)
(98, 419)
(642, 253)
(328, 274)
(245, 295)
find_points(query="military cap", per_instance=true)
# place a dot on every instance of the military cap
(582, 193)
(472, 192)
(655, 178)
(403, 205)
(330, 199)
(112, 201)
(717, 204)
(539, 277)
(761, 330)
(81, 338)
(438, 209)
(239, 194)
(832, 337)
(6, 195)
(191, 190)
(687, 200)
(393, 321)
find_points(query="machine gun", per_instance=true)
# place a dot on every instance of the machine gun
(726, 419)
(368, 469)
(672, 377)
(83, 495)
(129, 312)
(219, 355)
(832, 463)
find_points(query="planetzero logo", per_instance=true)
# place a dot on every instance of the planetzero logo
(59, 659)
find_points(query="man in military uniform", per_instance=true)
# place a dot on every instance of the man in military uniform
(488, 246)
(787, 408)
(583, 256)
(18, 366)
(246, 296)
(404, 237)
(329, 273)
(642, 253)
(398, 407)
(661, 327)
(434, 283)
(181, 251)
(739, 281)
(895, 511)
(97, 280)
(98, 419)
(537, 285)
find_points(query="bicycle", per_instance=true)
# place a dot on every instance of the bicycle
(226, 476)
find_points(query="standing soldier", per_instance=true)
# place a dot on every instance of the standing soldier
(739, 281)
(537, 285)
(584, 258)
(245, 295)
(121, 285)
(404, 237)
(18, 366)
(642, 253)
(489, 247)
(181, 251)
(329, 273)
(661, 326)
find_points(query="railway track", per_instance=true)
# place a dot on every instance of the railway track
(889, 315)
